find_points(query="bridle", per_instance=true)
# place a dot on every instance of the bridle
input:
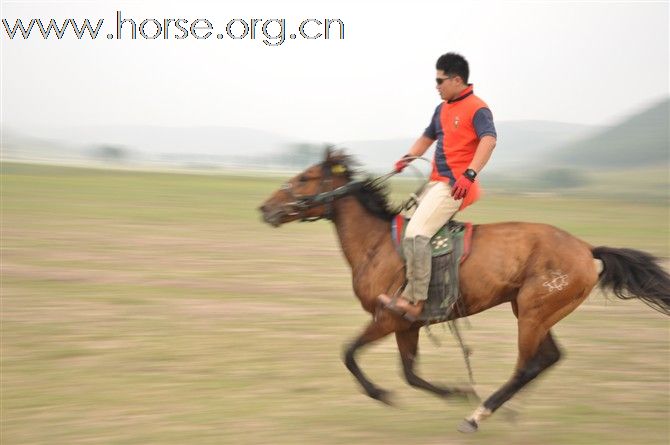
(300, 204)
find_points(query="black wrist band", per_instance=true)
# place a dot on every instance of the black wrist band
(470, 174)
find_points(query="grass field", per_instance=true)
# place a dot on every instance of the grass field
(147, 308)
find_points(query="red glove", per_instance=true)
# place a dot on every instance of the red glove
(461, 187)
(402, 163)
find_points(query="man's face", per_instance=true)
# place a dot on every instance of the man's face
(450, 86)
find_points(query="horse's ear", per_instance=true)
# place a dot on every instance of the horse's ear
(328, 153)
(336, 161)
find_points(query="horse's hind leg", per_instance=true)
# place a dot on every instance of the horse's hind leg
(538, 307)
(379, 328)
(408, 343)
(538, 351)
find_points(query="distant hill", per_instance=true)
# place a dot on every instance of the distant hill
(19, 146)
(181, 147)
(640, 140)
(152, 140)
(520, 143)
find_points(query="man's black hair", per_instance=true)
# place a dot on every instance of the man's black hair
(454, 64)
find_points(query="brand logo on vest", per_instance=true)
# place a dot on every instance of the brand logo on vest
(457, 120)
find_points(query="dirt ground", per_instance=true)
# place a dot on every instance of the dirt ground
(147, 308)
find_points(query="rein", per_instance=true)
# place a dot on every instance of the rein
(302, 203)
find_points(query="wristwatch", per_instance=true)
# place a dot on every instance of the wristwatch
(470, 174)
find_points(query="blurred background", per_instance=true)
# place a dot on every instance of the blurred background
(143, 301)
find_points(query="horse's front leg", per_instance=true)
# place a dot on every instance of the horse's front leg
(408, 345)
(380, 327)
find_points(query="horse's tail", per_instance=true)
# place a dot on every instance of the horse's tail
(631, 273)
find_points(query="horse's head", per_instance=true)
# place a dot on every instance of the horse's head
(308, 196)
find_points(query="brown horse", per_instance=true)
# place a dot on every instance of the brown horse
(511, 262)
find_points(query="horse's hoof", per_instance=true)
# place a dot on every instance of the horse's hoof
(468, 426)
(383, 396)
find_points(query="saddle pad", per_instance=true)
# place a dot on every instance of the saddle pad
(442, 242)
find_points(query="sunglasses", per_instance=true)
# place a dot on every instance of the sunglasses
(439, 80)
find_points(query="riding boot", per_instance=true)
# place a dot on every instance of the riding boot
(408, 253)
(417, 252)
(418, 259)
(422, 264)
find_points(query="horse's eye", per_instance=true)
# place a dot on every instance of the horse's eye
(303, 179)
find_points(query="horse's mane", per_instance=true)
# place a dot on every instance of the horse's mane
(372, 195)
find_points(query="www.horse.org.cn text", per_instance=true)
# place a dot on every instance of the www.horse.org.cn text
(272, 32)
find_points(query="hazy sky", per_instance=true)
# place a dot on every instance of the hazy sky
(585, 62)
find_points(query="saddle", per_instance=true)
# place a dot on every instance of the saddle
(450, 246)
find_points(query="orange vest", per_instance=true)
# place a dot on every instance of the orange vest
(457, 145)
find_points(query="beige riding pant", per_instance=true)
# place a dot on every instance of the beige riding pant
(436, 207)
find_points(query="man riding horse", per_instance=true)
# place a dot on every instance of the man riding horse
(463, 127)
(543, 272)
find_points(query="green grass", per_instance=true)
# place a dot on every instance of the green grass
(147, 308)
